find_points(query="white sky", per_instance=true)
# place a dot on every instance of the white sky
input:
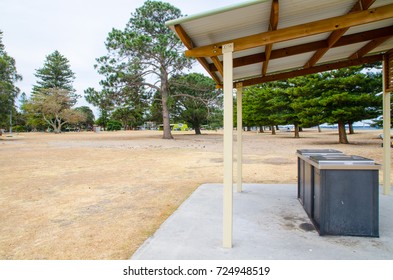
(33, 29)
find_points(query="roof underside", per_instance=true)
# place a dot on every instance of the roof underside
(279, 39)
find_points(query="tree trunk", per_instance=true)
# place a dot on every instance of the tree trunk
(297, 134)
(273, 130)
(319, 128)
(197, 130)
(342, 134)
(261, 129)
(54, 126)
(165, 111)
(350, 126)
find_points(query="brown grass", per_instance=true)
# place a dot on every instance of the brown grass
(100, 195)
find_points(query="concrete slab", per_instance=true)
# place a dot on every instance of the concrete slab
(269, 223)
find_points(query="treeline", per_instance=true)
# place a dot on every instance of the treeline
(193, 100)
(340, 97)
(145, 80)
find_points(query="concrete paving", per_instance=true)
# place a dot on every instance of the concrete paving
(269, 223)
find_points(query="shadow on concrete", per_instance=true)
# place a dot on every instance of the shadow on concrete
(268, 223)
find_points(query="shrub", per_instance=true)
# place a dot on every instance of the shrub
(113, 125)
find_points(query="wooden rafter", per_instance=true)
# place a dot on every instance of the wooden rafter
(299, 31)
(272, 26)
(189, 45)
(184, 37)
(312, 70)
(369, 47)
(218, 64)
(337, 34)
(372, 35)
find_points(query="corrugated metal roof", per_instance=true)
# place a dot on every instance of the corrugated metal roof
(253, 17)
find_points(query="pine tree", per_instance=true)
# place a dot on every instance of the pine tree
(53, 95)
(56, 73)
(145, 54)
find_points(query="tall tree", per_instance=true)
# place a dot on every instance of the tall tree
(8, 90)
(304, 94)
(349, 95)
(195, 98)
(145, 54)
(56, 73)
(54, 94)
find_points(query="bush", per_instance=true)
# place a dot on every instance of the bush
(113, 125)
(19, 128)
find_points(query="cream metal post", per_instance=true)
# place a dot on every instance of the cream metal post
(239, 138)
(228, 145)
(386, 134)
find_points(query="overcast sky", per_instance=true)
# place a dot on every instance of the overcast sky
(33, 29)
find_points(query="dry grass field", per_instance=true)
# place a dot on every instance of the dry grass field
(100, 195)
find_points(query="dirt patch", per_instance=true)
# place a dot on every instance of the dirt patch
(100, 195)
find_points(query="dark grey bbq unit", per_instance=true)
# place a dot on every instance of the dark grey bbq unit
(345, 195)
(306, 175)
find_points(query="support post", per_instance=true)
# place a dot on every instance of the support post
(239, 138)
(228, 145)
(386, 128)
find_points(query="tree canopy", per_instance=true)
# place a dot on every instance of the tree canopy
(54, 107)
(195, 99)
(88, 121)
(56, 73)
(8, 90)
(257, 109)
(341, 96)
(144, 56)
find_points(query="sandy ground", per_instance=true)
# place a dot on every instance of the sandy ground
(100, 195)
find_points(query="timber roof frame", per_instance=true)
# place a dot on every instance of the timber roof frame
(272, 42)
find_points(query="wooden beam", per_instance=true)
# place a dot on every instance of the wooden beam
(364, 36)
(184, 37)
(218, 65)
(205, 65)
(369, 47)
(273, 26)
(313, 46)
(365, 3)
(337, 34)
(312, 70)
(294, 32)
(189, 45)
